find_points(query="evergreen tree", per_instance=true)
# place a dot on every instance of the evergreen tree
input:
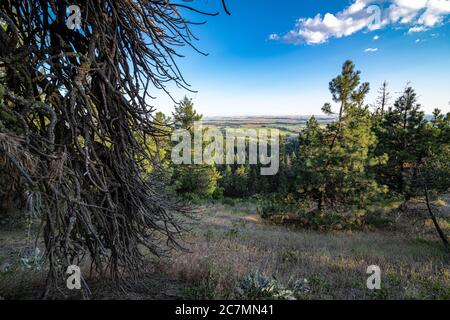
(311, 161)
(185, 115)
(192, 181)
(402, 136)
(433, 171)
(383, 99)
(335, 160)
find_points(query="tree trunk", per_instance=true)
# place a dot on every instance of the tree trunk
(435, 222)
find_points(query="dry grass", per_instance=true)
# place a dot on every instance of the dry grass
(229, 243)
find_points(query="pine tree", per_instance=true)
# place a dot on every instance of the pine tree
(402, 136)
(185, 115)
(311, 162)
(334, 161)
(384, 97)
(433, 170)
(192, 181)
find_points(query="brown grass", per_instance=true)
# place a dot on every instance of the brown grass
(229, 243)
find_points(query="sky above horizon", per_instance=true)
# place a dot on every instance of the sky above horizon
(277, 57)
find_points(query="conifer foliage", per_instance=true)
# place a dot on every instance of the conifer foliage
(334, 161)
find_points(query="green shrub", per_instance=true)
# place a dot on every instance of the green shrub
(256, 286)
(229, 202)
(274, 205)
(298, 213)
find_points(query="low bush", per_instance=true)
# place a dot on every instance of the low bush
(256, 286)
(280, 211)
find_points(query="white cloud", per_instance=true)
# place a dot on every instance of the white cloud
(371, 50)
(435, 12)
(320, 28)
(366, 15)
(405, 11)
(274, 37)
(416, 29)
(376, 38)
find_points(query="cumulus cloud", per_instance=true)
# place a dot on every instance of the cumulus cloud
(405, 11)
(358, 16)
(376, 37)
(368, 15)
(371, 50)
(436, 11)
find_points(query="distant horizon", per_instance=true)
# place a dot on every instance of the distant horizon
(268, 116)
(284, 115)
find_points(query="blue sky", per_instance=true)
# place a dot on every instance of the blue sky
(263, 60)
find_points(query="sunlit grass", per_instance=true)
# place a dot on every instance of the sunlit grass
(229, 243)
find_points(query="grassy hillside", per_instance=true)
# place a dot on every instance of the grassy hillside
(230, 246)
